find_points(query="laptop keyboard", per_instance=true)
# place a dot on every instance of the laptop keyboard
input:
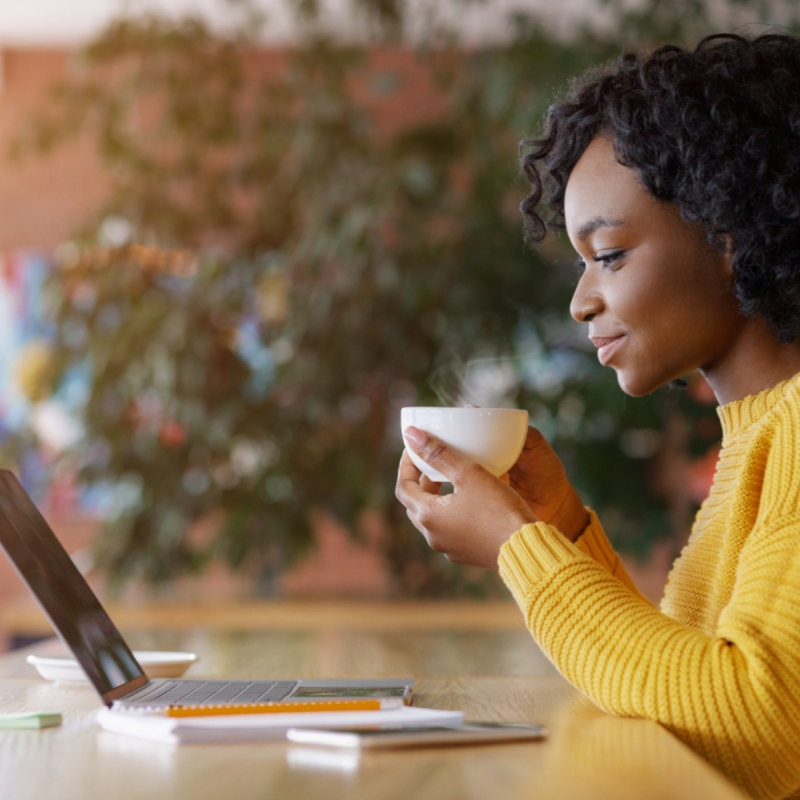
(159, 694)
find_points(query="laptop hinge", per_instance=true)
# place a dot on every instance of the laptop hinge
(124, 690)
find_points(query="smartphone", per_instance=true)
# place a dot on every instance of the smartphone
(373, 738)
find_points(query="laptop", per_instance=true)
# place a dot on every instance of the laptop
(83, 625)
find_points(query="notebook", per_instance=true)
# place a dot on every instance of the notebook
(156, 727)
(83, 625)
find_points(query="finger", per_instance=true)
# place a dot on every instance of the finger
(534, 439)
(415, 521)
(413, 518)
(408, 490)
(429, 486)
(536, 446)
(436, 453)
(408, 469)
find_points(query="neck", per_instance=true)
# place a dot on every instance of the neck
(756, 361)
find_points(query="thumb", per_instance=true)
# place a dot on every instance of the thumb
(436, 453)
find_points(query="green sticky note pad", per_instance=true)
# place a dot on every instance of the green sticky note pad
(29, 720)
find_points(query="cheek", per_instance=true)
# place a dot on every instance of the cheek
(642, 300)
(673, 288)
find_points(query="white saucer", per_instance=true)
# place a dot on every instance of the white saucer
(155, 663)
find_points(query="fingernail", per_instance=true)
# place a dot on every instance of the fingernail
(417, 437)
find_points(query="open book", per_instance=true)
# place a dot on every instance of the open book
(260, 727)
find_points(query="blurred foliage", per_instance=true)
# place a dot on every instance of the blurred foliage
(274, 275)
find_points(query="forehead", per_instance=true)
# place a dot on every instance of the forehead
(602, 189)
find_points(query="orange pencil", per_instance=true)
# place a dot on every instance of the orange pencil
(288, 707)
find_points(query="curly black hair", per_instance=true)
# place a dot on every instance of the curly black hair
(715, 130)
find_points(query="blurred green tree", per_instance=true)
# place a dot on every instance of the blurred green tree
(272, 279)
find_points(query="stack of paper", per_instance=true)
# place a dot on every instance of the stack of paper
(259, 727)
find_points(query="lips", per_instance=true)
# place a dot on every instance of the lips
(606, 346)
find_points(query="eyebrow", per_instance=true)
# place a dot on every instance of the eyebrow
(590, 226)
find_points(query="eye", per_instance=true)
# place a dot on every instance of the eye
(609, 258)
(580, 266)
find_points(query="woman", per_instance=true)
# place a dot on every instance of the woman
(677, 178)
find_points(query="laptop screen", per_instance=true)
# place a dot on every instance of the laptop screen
(74, 610)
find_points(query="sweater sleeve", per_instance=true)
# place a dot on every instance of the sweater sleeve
(732, 697)
(594, 542)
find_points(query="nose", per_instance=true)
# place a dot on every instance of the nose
(587, 302)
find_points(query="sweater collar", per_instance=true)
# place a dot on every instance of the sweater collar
(739, 414)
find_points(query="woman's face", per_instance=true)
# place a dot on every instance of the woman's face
(656, 296)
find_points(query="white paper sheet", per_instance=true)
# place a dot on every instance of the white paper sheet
(260, 727)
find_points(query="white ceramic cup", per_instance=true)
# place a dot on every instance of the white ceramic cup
(493, 437)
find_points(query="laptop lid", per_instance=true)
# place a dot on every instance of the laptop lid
(62, 592)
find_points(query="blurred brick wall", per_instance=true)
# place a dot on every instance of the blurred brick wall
(43, 200)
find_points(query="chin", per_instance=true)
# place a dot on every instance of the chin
(637, 386)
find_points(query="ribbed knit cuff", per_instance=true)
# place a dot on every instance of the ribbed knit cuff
(532, 552)
(594, 542)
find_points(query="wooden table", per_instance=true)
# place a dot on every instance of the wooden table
(490, 672)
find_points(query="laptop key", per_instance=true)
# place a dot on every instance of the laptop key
(277, 692)
(251, 694)
(228, 695)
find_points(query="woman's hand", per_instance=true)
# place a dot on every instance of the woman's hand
(470, 525)
(540, 480)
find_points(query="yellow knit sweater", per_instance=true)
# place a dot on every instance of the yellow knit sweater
(719, 664)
